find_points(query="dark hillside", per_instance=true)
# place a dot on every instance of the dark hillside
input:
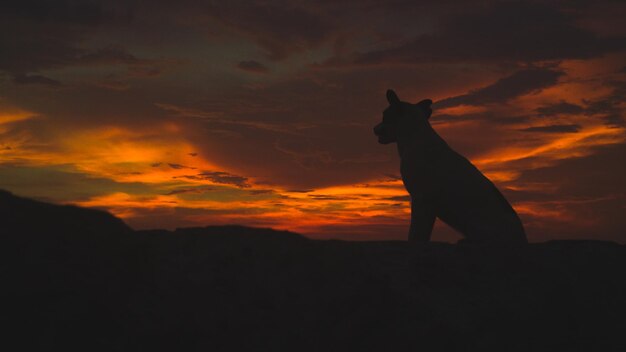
(75, 278)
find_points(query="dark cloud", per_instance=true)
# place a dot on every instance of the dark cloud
(35, 79)
(219, 177)
(588, 190)
(523, 82)
(225, 178)
(112, 54)
(300, 190)
(393, 177)
(560, 108)
(281, 28)
(500, 31)
(252, 66)
(330, 197)
(59, 184)
(490, 116)
(179, 167)
(82, 12)
(554, 129)
(597, 175)
(196, 190)
(37, 50)
(44, 34)
(406, 198)
(257, 192)
(112, 83)
(610, 108)
(316, 125)
(47, 35)
(304, 156)
(520, 83)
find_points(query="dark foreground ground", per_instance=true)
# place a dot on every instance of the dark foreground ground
(74, 278)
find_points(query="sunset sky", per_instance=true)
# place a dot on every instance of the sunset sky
(191, 113)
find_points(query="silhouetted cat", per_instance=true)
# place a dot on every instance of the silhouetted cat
(441, 182)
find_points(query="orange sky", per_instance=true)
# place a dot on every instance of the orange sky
(196, 114)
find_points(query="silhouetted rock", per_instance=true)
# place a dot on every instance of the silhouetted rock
(237, 288)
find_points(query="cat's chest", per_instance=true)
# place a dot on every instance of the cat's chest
(418, 174)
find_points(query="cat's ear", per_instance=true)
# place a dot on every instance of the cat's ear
(392, 97)
(425, 106)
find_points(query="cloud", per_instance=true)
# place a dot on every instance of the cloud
(280, 28)
(519, 83)
(195, 190)
(219, 177)
(304, 156)
(588, 193)
(611, 107)
(560, 108)
(63, 183)
(225, 178)
(109, 55)
(217, 116)
(262, 191)
(10, 116)
(554, 129)
(49, 32)
(51, 35)
(498, 32)
(88, 13)
(35, 79)
(178, 166)
(252, 66)
(329, 197)
(299, 190)
(406, 198)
